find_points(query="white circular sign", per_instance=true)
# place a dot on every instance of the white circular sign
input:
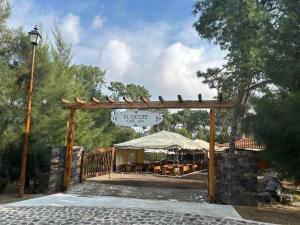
(136, 118)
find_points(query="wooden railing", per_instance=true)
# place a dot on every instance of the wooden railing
(98, 162)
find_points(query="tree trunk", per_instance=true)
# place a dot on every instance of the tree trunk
(238, 112)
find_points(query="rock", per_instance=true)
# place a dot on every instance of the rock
(265, 197)
(274, 188)
(286, 198)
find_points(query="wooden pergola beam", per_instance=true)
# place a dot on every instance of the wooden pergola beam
(109, 99)
(65, 101)
(80, 101)
(144, 99)
(179, 98)
(161, 99)
(126, 99)
(151, 105)
(95, 100)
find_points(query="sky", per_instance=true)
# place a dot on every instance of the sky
(147, 42)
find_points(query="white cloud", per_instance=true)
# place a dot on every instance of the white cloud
(28, 13)
(70, 28)
(146, 57)
(98, 22)
(175, 72)
(162, 56)
(117, 58)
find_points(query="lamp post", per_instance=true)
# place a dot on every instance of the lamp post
(35, 37)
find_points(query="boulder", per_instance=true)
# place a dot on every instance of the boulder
(286, 198)
(274, 188)
(269, 183)
(265, 197)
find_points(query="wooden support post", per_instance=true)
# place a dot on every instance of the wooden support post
(69, 150)
(200, 97)
(211, 169)
(220, 97)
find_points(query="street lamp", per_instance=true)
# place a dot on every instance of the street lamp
(35, 37)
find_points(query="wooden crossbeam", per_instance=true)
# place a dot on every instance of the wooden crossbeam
(109, 99)
(65, 101)
(126, 99)
(80, 101)
(161, 99)
(95, 100)
(144, 99)
(179, 98)
(150, 105)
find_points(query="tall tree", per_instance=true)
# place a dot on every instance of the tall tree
(276, 118)
(238, 27)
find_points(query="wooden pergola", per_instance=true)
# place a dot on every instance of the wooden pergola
(145, 103)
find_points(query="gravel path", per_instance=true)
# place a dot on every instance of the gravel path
(105, 215)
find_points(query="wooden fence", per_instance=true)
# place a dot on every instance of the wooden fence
(98, 162)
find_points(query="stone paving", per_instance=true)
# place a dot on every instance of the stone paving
(95, 188)
(10, 215)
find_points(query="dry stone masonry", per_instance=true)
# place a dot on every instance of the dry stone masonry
(58, 155)
(236, 178)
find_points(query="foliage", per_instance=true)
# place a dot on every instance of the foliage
(239, 27)
(133, 91)
(261, 39)
(276, 125)
(55, 76)
(189, 123)
(275, 121)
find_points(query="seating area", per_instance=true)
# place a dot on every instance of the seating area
(163, 153)
(162, 167)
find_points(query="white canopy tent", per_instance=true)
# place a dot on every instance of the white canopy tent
(203, 144)
(161, 140)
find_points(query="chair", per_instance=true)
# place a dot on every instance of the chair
(122, 167)
(186, 169)
(157, 169)
(166, 170)
(138, 167)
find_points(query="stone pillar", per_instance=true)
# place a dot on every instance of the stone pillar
(58, 155)
(236, 178)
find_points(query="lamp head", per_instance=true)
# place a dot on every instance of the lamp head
(35, 36)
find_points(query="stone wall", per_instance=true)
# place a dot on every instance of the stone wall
(236, 178)
(56, 179)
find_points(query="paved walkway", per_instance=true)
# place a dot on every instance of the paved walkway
(73, 209)
(226, 211)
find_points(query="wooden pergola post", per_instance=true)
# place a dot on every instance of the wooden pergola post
(69, 149)
(211, 169)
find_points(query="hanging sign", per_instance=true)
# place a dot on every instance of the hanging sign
(136, 118)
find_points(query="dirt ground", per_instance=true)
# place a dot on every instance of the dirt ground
(278, 214)
(12, 197)
(191, 187)
(189, 181)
